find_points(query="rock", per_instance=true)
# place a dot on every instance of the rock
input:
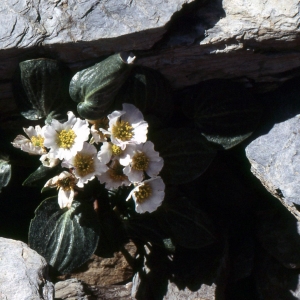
(115, 292)
(105, 271)
(24, 273)
(275, 160)
(71, 289)
(206, 292)
(231, 39)
(185, 274)
(187, 41)
(56, 22)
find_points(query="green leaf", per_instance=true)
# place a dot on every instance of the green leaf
(146, 229)
(169, 245)
(5, 173)
(66, 238)
(41, 172)
(96, 87)
(187, 225)
(186, 153)
(225, 112)
(149, 91)
(44, 88)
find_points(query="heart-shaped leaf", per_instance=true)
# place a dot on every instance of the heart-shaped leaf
(149, 91)
(146, 229)
(186, 153)
(225, 112)
(41, 172)
(66, 238)
(96, 87)
(5, 173)
(187, 225)
(44, 88)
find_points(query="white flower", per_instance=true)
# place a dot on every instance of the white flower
(35, 143)
(148, 195)
(66, 139)
(86, 164)
(127, 126)
(48, 160)
(142, 158)
(114, 176)
(65, 183)
(110, 151)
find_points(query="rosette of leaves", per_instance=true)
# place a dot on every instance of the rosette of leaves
(225, 112)
(66, 238)
(148, 90)
(41, 89)
(95, 88)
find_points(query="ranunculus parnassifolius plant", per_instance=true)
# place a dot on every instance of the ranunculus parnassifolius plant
(114, 151)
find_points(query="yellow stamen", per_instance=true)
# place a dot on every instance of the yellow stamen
(116, 150)
(66, 183)
(84, 164)
(37, 141)
(66, 139)
(123, 131)
(140, 161)
(143, 193)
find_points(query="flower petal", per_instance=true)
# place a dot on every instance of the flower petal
(65, 198)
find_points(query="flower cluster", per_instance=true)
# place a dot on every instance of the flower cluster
(125, 156)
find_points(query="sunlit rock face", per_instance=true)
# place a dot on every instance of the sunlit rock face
(187, 41)
(24, 273)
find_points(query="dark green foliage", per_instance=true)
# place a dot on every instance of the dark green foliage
(44, 89)
(149, 91)
(5, 173)
(96, 87)
(65, 237)
(186, 153)
(176, 223)
(40, 173)
(224, 111)
(145, 228)
(187, 225)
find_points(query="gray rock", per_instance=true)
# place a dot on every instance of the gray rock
(74, 289)
(34, 22)
(23, 273)
(206, 292)
(114, 292)
(275, 160)
(253, 42)
(71, 289)
(232, 39)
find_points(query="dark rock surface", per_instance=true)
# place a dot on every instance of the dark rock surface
(278, 233)
(274, 281)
